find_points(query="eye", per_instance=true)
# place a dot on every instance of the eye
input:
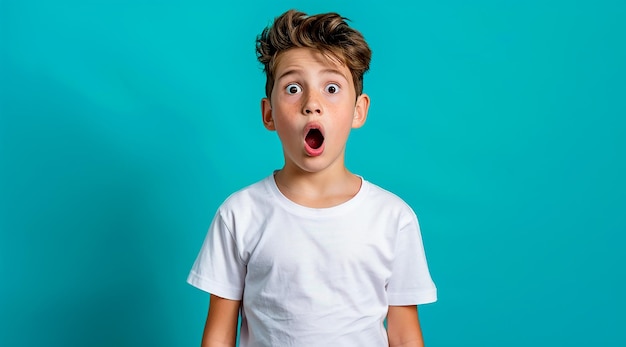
(332, 88)
(293, 89)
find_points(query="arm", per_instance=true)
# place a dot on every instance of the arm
(220, 329)
(403, 327)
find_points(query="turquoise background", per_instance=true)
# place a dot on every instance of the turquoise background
(124, 124)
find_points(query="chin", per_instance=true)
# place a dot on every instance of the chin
(315, 164)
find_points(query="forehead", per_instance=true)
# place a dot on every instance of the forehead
(308, 59)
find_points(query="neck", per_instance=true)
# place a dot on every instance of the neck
(320, 189)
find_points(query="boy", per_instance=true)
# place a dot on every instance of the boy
(313, 255)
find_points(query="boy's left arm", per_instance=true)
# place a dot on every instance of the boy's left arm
(403, 327)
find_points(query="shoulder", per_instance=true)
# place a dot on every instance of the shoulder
(247, 203)
(383, 197)
(384, 201)
(251, 195)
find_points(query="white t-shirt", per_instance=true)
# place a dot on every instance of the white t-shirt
(314, 276)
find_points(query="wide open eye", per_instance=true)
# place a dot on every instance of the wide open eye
(293, 89)
(332, 88)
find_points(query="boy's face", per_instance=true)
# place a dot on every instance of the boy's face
(313, 107)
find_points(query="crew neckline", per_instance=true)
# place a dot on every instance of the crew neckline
(315, 211)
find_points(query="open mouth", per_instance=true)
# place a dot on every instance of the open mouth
(314, 138)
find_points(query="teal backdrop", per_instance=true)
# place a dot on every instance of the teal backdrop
(124, 124)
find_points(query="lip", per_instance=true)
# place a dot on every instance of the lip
(313, 152)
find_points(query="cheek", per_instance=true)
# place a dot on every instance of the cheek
(342, 127)
(287, 100)
(286, 127)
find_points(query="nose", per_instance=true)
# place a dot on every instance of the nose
(312, 104)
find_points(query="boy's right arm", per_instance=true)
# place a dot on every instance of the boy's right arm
(220, 329)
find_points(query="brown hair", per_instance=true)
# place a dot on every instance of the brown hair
(328, 32)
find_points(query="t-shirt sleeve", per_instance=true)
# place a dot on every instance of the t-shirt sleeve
(410, 282)
(219, 269)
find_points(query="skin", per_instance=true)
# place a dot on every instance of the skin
(312, 89)
(220, 329)
(403, 327)
(325, 96)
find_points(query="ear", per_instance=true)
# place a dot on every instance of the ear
(360, 110)
(266, 112)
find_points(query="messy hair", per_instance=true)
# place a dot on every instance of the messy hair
(328, 33)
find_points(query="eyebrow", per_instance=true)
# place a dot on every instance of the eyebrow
(296, 71)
